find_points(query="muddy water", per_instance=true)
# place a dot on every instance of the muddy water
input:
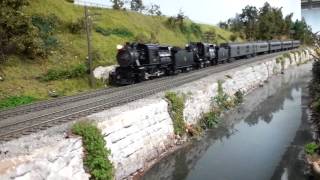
(260, 140)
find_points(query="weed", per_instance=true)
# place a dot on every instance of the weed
(14, 101)
(311, 148)
(176, 112)
(222, 100)
(96, 158)
(210, 119)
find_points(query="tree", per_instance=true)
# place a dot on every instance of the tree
(288, 25)
(137, 5)
(235, 24)
(302, 32)
(266, 23)
(249, 18)
(117, 4)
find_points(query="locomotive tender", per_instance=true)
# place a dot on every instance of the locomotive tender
(139, 62)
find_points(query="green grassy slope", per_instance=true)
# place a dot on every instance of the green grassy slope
(21, 74)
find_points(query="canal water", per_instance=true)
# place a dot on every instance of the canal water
(260, 140)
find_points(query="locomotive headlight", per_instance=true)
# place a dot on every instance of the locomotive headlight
(119, 46)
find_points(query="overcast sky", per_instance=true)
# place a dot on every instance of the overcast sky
(213, 11)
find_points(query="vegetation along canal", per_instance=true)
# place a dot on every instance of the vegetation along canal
(263, 138)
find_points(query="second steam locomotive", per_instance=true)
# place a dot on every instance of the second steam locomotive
(139, 62)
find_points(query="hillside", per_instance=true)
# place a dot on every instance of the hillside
(23, 77)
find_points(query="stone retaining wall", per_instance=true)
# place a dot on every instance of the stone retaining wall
(136, 133)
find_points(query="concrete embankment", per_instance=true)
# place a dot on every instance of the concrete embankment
(136, 133)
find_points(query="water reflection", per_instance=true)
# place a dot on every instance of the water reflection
(272, 105)
(252, 141)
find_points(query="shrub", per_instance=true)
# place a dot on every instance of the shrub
(121, 32)
(18, 35)
(77, 27)
(311, 148)
(96, 157)
(14, 101)
(56, 74)
(176, 112)
(47, 25)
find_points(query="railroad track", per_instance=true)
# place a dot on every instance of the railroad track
(11, 128)
(24, 109)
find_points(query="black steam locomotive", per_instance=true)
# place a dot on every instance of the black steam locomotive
(139, 62)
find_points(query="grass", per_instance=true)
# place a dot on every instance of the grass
(176, 112)
(22, 75)
(96, 156)
(14, 101)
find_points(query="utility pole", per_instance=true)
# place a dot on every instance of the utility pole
(88, 31)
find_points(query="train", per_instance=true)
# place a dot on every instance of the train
(140, 62)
